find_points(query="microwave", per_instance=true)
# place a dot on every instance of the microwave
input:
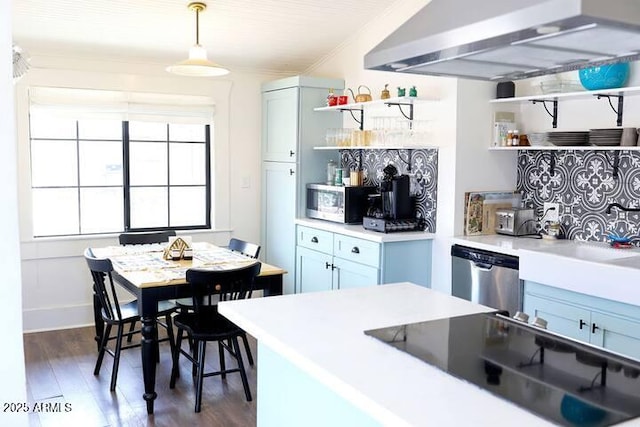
(336, 203)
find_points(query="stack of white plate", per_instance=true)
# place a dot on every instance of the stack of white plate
(608, 137)
(568, 138)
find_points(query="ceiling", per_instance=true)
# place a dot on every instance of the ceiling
(281, 36)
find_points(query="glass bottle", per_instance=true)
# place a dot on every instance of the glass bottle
(338, 178)
(331, 172)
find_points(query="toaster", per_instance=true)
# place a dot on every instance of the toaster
(514, 221)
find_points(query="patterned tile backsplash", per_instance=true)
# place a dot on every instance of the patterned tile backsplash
(424, 174)
(583, 183)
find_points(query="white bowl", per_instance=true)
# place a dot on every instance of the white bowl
(537, 139)
(559, 86)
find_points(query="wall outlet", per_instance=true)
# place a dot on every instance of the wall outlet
(552, 215)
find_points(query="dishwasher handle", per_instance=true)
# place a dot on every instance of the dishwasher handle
(485, 257)
(482, 266)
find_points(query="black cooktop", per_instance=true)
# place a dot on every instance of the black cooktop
(559, 379)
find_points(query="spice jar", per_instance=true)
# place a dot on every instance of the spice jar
(507, 141)
(515, 138)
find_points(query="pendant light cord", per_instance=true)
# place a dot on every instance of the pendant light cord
(198, 27)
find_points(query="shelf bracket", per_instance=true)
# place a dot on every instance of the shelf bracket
(406, 162)
(531, 362)
(552, 163)
(361, 121)
(616, 163)
(553, 115)
(400, 104)
(620, 106)
(603, 380)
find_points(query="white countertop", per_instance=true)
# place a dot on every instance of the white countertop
(507, 244)
(313, 330)
(356, 230)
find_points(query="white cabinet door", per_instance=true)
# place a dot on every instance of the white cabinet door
(280, 119)
(278, 213)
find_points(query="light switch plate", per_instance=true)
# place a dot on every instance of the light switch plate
(551, 215)
(245, 182)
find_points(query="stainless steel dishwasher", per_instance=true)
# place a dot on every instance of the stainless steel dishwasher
(486, 278)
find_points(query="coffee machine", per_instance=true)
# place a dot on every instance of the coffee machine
(393, 209)
(396, 201)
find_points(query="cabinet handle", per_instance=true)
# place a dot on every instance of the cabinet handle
(582, 323)
(327, 265)
(314, 239)
(355, 250)
(291, 171)
(291, 153)
(594, 328)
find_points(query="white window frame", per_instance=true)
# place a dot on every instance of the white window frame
(218, 90)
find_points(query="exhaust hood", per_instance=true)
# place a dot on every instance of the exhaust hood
(510, 39)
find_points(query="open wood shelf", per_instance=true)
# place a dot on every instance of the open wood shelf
(403, 100)
(565, 148)
(394, 147)
(635, 90)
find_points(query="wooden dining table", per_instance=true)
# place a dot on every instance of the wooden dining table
(143, 271)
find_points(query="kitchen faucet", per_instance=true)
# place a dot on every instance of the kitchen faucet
(619, 206)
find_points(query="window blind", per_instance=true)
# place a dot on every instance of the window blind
(124, 106)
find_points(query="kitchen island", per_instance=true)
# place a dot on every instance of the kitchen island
(316, 367)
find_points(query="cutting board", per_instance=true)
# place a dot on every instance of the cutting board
(480, 210)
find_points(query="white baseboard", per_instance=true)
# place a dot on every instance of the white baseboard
(52, 318)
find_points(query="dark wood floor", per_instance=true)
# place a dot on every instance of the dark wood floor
(60, 364)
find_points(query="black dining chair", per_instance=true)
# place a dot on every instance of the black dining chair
(142, 238)
(204, 324)
(245, 248)
(118, 315)
(249, 249)
(129, 238)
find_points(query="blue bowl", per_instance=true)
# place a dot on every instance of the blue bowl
(604, 76)
(580, 413)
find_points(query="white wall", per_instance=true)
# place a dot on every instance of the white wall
(462, 132)
(56, 283)
(12, 372)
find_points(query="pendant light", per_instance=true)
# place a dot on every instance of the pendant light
(197, 65)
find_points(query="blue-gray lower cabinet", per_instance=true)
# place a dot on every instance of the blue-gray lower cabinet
(312, 271)
(326, 260)
(609, 324)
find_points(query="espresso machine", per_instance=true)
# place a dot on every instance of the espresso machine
(391, 209)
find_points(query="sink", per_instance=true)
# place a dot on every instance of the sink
(588, 268)
(592, 252)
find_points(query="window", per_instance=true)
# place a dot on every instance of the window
(102, 175)
(168, 176)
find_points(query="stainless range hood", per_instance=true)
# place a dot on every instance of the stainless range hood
(511, 39)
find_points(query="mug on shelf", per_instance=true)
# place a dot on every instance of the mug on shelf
(343, 99)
